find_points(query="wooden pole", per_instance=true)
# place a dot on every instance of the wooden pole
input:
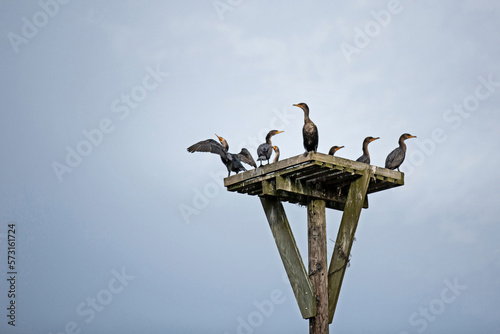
(318, 266)
(289, 252)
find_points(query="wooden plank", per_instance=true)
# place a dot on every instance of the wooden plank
(306, 168)
(285, 171)
(316, 175)
(345, 238)
(337, 162)
(331, 177)
(317, 172)
(342, 180)
(316, 232)
(385, 182)
(357, 167)
(290, 255)
(266, 169)
(297, 187)
(293, 191)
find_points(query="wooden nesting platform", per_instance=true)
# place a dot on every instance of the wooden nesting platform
(318, 181)
(312, 176)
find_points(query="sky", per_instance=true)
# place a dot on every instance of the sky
(118, 229)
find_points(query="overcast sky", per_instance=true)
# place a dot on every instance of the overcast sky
(120, 230)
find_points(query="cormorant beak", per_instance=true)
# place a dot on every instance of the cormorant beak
(279, 132)
(220, 138)
(412, 136)
(296, 105)
(374, 139)
(338, 148)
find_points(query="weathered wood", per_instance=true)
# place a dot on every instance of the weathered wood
(290, 255)
(294, 191)
(317, 169)
(345, 238)
(316, 223)
(234, 186)
(266, 169)
(346, 164)
(319, 181)
(297, 187)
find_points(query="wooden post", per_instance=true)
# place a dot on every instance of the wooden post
(318, 266)
(345, 238)
(289, 252)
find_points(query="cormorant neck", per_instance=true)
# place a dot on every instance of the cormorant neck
(402, 143)
(365, 148)
(276, 155)
(306, 114)
(268, 138)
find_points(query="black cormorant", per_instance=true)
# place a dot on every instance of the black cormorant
(365, 158)
(397, 156)
(334, 149)
(232, 161)
(264, 150)
(276, 154)
(309, 131)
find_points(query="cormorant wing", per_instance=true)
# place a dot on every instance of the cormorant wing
(395, 158)
(246, 157)
(310, 136)
(208, 145)
(364, 159)
(262, 150)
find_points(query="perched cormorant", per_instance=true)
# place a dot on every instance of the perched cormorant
(397, 156)
(264, 150)
(276, 154)
(365, 158)
(334, 149)
(309, 131)
(231, 160)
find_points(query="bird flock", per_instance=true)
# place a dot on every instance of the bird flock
(233, 161)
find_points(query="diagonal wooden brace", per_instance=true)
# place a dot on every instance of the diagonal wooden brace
(345, 238)
(289, 252)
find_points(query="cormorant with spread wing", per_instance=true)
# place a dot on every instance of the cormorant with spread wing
(365, 158)
(397, 156)
(309, 130)
(265, 150)
(231, 160)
